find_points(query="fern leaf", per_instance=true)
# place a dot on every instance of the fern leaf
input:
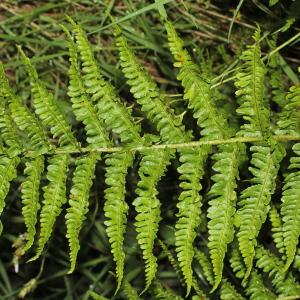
(175, 264)
(288, 122)
(206, 266)
(255, 288)
(54, 198)
(82, 106)
(130, 292)
(276, 229)
(197, 89)
(24, 119)
(284, 284)
(189, 208)
(115, 207)
(30, 197)
(78, 202)
(290, 207)
(147, 94)
(250, 85)
(8, 129)
(254, 201)
(228, 291)
(47, 109)
(95, 296)
(296, 264)
(222, 207)
(152, 167)
(198, 93)
(163, 293)
(8, 172)
(114, 113)
(276, 76)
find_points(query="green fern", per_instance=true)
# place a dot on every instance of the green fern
(47, 109)
(254, 201)
(222, 207)
(266, 156)
(197, 89)
(290, 208)
(130, 292)
(205, 265)
(54, 198)
(175, 265)
(24, 119)
(152, 167)
(198, 229)
(115, 207)
(83, 108)
(277, 229)
(161, 292)
(228, 291)
(255, 288)
(8, 172)
(147, 94)
(30, 197)
(288, 122)
(95, 296)
(78, 201)
(113, 112)
(270, 264)
(191, 172)
(198, 93)
(250, 89)
(9, 134)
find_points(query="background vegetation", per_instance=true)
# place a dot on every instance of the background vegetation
(210, 34)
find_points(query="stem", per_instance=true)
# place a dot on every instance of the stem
(195, 144)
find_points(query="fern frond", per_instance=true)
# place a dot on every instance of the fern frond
(8, 172)
(79, 201)
(115, 207)
(8, 129)
(24, 119)
(95, 296)
(82, 105)
(197, 89)
(236, 262)
(54, 198)
(290, 207)
(250, 85)
(206, 266)
(255, 288)
(288, 122)
(175, 264)
(198, 93)
(112, 111)
(254, 201)
(47, 109)
(148, 95)
(276, 229)
(296, 264)
(284, 284)
(30, 197)
(161, 292)
(152, 167)
(130, 292)
(222, 207)
(228, 291)
(191, 172)
(276, 76)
